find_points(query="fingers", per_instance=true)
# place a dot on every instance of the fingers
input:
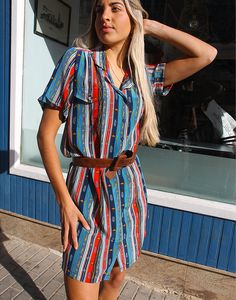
(65, 236)
(69, 221)
(83, 221)
(72, 230)
(74, 237)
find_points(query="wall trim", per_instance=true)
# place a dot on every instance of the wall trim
(16, 84)
(193, 204)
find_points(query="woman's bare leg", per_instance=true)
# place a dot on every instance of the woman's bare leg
(110, 289)
(76, 290)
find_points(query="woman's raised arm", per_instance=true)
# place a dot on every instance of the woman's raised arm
(198, 54)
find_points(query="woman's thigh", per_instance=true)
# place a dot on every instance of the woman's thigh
(77, 290)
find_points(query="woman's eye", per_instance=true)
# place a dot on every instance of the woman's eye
(115, 9)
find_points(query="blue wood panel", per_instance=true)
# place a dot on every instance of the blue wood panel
(184, 235)
(205, 239)
(226, 244)
(165, 231)
(194, 238)
(19, 203)
(232, 257)
(13, 193)
(146, 244)
(215, 243)
(155, 229)
(175, 233)
(32, 198)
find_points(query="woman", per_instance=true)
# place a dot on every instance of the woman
(105, 97)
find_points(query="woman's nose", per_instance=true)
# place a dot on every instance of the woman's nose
(106, 15)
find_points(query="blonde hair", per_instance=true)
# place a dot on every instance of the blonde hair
(149, 131)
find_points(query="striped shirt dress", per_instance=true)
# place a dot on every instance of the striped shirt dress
(101, 121)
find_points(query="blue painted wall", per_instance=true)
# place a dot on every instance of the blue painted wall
(192, 237)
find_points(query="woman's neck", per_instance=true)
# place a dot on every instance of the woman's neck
(117, 55)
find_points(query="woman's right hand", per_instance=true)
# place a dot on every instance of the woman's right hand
(70, 216)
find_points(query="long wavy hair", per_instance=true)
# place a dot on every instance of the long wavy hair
(149, 128)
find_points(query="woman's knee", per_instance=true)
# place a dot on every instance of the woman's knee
(117, 278)
(79, 290)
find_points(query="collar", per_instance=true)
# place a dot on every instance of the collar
(99, 57)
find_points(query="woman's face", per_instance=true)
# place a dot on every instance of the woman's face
(112, 22)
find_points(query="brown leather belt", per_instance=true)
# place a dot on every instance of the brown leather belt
(113, 164)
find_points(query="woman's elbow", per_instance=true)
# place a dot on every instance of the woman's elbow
(39, 138)
(211, 54)
(44, 138)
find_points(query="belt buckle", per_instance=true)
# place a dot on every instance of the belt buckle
(110, 173)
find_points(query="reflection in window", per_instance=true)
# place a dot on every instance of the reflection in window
(199, 114)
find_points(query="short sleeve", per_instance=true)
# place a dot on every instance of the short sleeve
(156, 76)
(59, 90)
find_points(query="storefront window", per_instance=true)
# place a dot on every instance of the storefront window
(197, 152)
(196, 155)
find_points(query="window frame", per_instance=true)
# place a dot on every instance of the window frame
(155, 197)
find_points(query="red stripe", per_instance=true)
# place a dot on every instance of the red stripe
(67, 85)
(137, 224)
(95, 113)
(92, 258)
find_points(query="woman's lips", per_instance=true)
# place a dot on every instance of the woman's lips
(107, 29)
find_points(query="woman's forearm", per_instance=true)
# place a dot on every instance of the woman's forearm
(186, 43)
(52, 166)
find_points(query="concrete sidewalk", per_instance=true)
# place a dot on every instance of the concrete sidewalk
(30, 271)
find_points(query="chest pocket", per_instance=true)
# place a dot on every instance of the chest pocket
(82, 113)
(83, 92)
